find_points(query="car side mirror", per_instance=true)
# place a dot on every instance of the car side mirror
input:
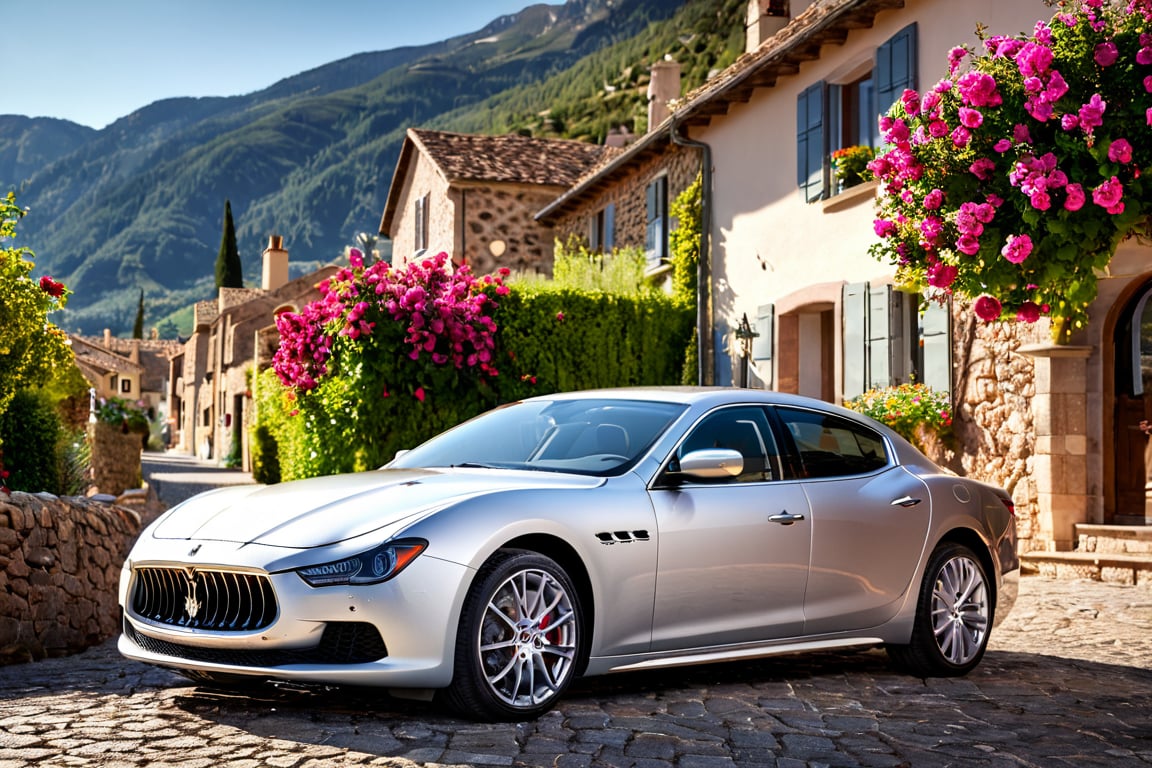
(710, 464)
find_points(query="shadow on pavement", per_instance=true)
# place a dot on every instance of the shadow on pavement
(177, 477)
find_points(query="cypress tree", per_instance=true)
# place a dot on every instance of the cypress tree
(229, 270)
(138, 327)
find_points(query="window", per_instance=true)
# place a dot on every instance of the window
(656, 232)
(853, 116)
(602, 230)
(741, 429)
(831, 446)
(830, 116)
(420, 238)
(888, 340)
(125, 385)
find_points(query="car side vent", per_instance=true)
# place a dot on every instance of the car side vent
(622, 537)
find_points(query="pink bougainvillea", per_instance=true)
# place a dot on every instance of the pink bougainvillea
(1010, 182)
(441, 315)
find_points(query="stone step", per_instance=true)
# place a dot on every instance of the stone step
(1120, 539)
(1118, 554)
(1109, 567)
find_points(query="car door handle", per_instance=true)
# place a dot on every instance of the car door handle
(905, 501)
(785, 518)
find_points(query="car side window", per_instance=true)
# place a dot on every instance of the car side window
(831, 446)
(741, 429)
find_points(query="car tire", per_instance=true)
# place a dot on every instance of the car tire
(954, 615)
(519, 638)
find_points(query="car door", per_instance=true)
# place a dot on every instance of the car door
(869, 520)
(733, 553)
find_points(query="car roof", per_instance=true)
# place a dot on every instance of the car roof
(695, 395)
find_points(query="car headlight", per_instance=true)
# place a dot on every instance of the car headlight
(372, 567)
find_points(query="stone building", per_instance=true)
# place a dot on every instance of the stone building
(233, 338)
(130, 369)
(475, 197)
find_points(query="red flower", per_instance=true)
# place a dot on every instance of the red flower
(987, 308)
(419, 394)
(51, 287)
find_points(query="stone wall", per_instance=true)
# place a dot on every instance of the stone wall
(500, 229)
(115, 458)
(60, 560)
(994, 426)
(628, 195)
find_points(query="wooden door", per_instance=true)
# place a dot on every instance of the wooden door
(1133, 413)
(1131, 452)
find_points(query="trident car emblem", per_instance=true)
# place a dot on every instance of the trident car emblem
(191, 604)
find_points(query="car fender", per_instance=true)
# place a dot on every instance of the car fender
(609, 529)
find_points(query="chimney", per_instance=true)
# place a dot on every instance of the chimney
(275, 264)
(765, 19)
(662, 88)
(108, 338)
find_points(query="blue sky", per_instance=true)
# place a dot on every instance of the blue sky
(92, 62)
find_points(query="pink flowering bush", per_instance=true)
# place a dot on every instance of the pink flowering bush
(385, 354)
(437, 315)
(1012, 181)
(388, 357)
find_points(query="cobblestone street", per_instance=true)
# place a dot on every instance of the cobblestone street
(1067, 682)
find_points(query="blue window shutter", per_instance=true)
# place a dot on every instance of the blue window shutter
(762, 344)
(895, 69)
(936, 347)
(811, 144)
(878, 336)
(609, 239)
(854, 311)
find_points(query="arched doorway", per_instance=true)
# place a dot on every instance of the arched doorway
(1132, 415)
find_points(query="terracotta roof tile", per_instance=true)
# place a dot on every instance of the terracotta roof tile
(508, 159)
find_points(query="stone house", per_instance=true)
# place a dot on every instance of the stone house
(475, 197)
(130, 369)
(233, 338)
(786, 255)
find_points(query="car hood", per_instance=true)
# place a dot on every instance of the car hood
(326, 510)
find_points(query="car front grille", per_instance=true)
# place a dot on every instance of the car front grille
(343, 642)
(222, 601)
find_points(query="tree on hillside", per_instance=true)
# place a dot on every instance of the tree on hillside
(229, 270)
(138, 326)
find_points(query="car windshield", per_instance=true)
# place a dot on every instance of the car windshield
(586, 436)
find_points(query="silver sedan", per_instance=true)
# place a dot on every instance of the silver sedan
(581, 534)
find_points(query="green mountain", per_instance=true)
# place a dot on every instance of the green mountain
(140, 203)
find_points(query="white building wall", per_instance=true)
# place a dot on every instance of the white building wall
(767, 242)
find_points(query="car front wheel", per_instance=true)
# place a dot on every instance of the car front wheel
(953, 616)
(518, 641)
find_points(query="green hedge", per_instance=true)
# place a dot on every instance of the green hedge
(31, 433)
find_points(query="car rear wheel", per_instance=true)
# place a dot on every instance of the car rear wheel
(518, 641)
(953, 616)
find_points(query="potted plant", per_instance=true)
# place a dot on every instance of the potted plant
(850, 165)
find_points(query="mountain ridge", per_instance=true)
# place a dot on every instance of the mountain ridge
(139, 204)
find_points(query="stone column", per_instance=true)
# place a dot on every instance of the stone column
(1060, 463)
